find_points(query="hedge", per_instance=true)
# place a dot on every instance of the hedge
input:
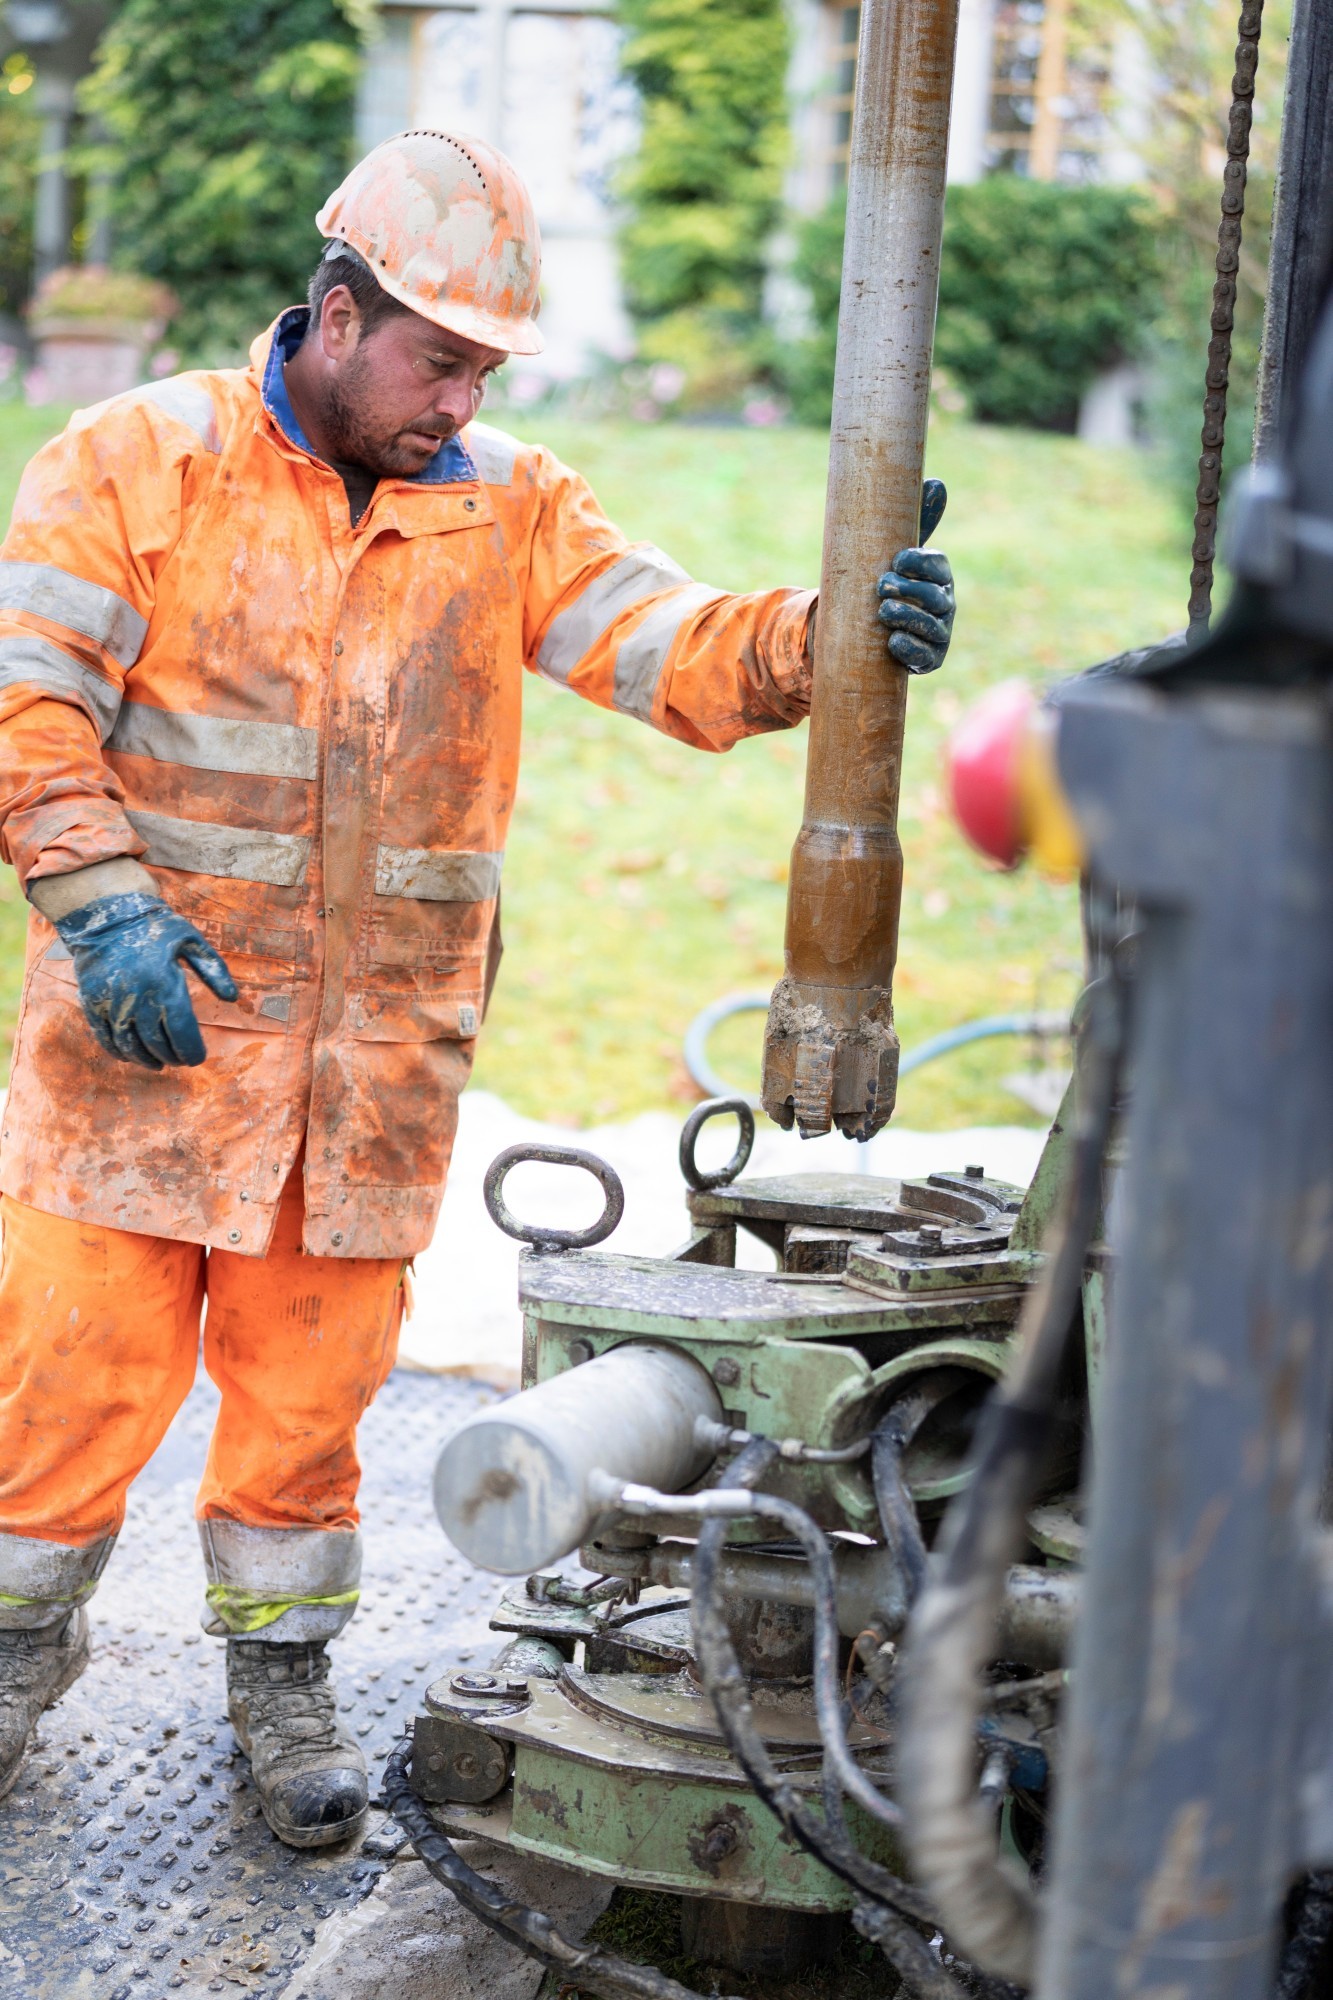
(1042, 286)
(226, 128)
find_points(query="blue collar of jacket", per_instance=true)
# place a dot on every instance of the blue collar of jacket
(451, 465)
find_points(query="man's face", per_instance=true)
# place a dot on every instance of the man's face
(392, 398)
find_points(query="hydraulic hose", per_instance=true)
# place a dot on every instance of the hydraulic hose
(1046, 1026)
(894, 1902)
(586, 1967)
(897, 1514)
(716, 1507)
(1305, 1954)
(951, 1830)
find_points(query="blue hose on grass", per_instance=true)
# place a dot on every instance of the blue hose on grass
(701, 1029)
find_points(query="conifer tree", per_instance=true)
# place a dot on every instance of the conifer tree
(225, 128)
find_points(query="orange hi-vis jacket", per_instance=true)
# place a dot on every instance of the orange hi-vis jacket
(309, 733)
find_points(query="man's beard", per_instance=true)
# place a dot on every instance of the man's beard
(353, 439)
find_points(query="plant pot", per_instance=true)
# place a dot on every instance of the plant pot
(86, 360)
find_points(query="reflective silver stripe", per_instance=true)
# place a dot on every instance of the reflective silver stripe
(641, 657)
(246, 854)
(492, 452)
(281, 1562)
(437, 874)
(212, 743)
(40, 1580)
(641, 573)
(188, 402)
(86, 608)
(37, 660)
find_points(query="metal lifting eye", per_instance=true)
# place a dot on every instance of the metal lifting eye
(534, 1233)
(714, 1108)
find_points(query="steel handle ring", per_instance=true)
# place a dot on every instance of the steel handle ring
(715, 1107)
(534, 1233)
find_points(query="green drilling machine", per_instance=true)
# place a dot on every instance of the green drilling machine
(959, 1578)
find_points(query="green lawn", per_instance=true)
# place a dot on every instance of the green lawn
(644, 879)
(21, 431)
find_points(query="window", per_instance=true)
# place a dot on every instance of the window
(844, 27)
(543, 85)
(1049, 94)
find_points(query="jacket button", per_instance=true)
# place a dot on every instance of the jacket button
(336, 1237)
(233, 1236)
(337, 647)
(471, 506)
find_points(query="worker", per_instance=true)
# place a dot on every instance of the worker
(261, 633)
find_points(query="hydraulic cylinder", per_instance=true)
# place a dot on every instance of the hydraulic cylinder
(513, 1484)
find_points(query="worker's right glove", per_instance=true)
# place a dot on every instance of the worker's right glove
(127, 951)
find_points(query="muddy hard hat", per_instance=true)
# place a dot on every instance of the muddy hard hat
(447, 226)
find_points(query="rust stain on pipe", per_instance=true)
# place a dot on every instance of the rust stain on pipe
(831, 1054)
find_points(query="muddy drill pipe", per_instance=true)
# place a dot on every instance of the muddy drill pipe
(831, 1054)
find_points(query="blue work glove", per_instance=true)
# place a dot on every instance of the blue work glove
(127, 951)
(916, 600)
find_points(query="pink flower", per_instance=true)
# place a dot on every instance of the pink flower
(523, 387)
(763, 411)
(666, 382)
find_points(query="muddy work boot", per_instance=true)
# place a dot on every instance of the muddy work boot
(310, 1774)
(36, 1668)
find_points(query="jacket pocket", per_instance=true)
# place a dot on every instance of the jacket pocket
(419, 987)
(452, 1014)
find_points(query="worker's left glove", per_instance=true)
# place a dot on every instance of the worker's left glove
(916, 597)
(127, 951)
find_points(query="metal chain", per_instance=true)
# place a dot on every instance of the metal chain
(1224, 315)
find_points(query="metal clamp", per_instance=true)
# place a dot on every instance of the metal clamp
(534, 1233)
(695, 1177)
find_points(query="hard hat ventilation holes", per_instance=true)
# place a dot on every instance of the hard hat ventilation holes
(430, 132)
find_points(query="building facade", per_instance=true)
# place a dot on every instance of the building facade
(540, 80)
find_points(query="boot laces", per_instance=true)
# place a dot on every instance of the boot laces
(290, 1695)
(24, 1662)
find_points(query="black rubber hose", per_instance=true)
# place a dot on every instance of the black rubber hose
(797, 1525)
(1305, 1955)
(897, 1511)
(894, 1901)
(891, 1907)
(951, 1634)
(585, 1967)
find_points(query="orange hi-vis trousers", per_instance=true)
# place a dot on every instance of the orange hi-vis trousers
(99, 1338)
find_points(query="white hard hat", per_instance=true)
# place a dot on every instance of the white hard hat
(447, 226)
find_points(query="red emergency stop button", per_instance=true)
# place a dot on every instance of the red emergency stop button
(1004, 784)
(983, 760)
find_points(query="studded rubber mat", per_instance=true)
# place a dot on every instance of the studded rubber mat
(134, 1862)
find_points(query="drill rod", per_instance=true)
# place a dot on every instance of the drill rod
(831, 1054)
